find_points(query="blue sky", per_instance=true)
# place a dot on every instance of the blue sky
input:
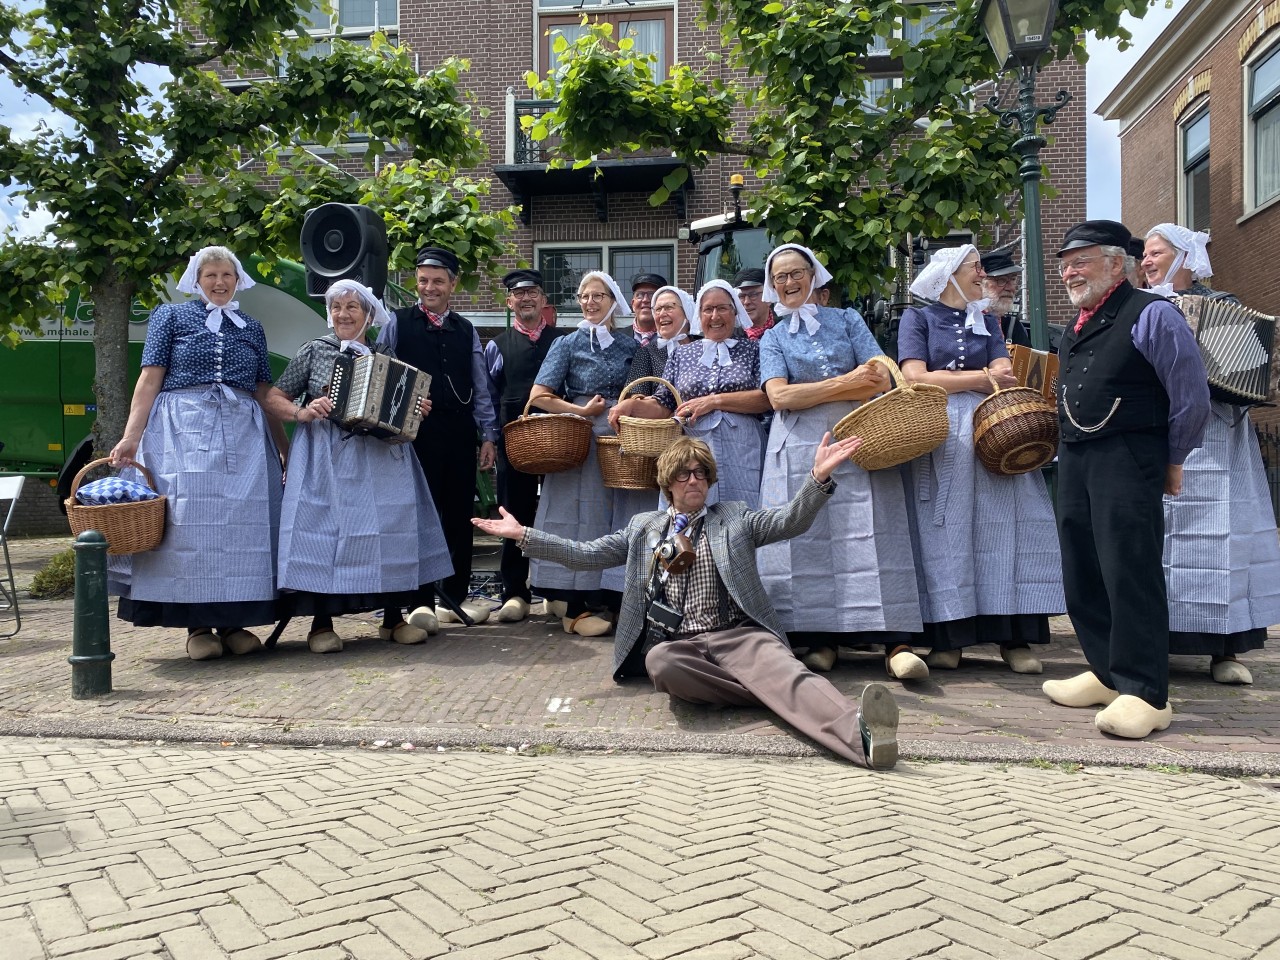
(1105, 69)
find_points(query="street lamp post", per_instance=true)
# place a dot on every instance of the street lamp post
(1020, 32)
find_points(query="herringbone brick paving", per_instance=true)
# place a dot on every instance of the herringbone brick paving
(506, 684)
(201, 852)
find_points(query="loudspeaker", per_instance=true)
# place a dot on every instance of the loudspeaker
(344, 241)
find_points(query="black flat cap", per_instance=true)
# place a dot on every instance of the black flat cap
(1095, 233)
(437, 257)
(654, 280)
(518, 279)
(999, 264)
(749, 277)
(1137, 248)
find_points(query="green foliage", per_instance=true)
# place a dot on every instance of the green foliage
(838, 172)
(57, 578)
(136, 179)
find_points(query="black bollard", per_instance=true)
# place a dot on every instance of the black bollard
(91, 654)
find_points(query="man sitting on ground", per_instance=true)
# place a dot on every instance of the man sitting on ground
(706, 633)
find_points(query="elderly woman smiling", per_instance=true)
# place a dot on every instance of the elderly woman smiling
(197, 423)
(359, 529)
(587, 366)
(850, 580)
(718, 381)
(987, 546)
(675, 318)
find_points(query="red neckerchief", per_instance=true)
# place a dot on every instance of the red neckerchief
(1086, 315)
(436, 320)
(533, 334)
(755, 333)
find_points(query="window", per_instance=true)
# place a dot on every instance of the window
(562, 268)
(913, 31)
(1264, 126)
(355, 18)
(1194, 134)
(651, 32)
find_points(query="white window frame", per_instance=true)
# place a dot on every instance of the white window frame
(898, 32)
(1201, 108)
(635, 9)
(606, 248)
(1248, 141)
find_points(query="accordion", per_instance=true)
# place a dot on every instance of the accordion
(376, 395)
(1037, 369)
(1238, 348)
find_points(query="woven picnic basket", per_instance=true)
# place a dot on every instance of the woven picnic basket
(1015, 430)
(622, 470)
(128, 527)
(899, 425)
(644, 437)
(547, 442)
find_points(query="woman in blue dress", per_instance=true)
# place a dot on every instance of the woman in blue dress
(358, 528)
(197, 423)
(590, 367)
(1221, 556)
(850, 580)
(986, 546)
(718, 379)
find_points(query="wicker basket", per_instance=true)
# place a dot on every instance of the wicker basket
(644, 437)
(625, 471)
(1015, 430)
(547, 442)
(899, 425)
(128, 527)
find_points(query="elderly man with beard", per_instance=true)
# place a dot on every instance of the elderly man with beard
(513, 359)
(1133, 401)
(1000, 276)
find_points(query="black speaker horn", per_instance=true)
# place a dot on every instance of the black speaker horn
(344, 241)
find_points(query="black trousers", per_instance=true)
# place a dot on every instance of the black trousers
(446, 447)
(1111, 525)
(518, 494)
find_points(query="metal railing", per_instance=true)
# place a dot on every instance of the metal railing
(521, 148)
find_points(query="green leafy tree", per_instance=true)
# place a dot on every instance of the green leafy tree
(839, 169)
(137, 179)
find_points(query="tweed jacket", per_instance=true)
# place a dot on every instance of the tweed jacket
(733, 533)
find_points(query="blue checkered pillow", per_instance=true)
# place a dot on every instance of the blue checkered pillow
(109, 490)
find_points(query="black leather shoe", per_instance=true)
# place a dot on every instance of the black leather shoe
(878, 724)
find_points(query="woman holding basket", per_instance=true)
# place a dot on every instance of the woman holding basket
(986, 545)
(587, 366)
(851, 579)
(198, 424)
(359, 529)
(718, 379)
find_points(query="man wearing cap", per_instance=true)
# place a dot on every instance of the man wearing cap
(643, 287)
(1000, 286)
(513, 359)
(443, 343)
(1133, 401)
(749, 282)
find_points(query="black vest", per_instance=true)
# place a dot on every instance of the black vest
(444, 353)
(521, 361)
(1105, 386)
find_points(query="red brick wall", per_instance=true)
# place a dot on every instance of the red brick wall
(1242, 250)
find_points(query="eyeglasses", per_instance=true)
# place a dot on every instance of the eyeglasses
(1008, 280)
(746, 297)
(667, 308)
(975, 264)
(642, 295)
(594, 297)
(698, 473)
(527, 293)
(1077, 264)
(798, 274)
(714, 309)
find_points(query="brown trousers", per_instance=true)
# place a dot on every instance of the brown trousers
(747, 666)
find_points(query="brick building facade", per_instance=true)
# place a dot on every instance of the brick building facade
(1200, 140)
(569, 225)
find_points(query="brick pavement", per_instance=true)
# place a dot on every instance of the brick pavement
(511, 684)
(196, 853)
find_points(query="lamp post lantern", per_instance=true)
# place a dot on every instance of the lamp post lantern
(1020, 33)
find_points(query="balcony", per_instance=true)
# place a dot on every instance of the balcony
(525, 173)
